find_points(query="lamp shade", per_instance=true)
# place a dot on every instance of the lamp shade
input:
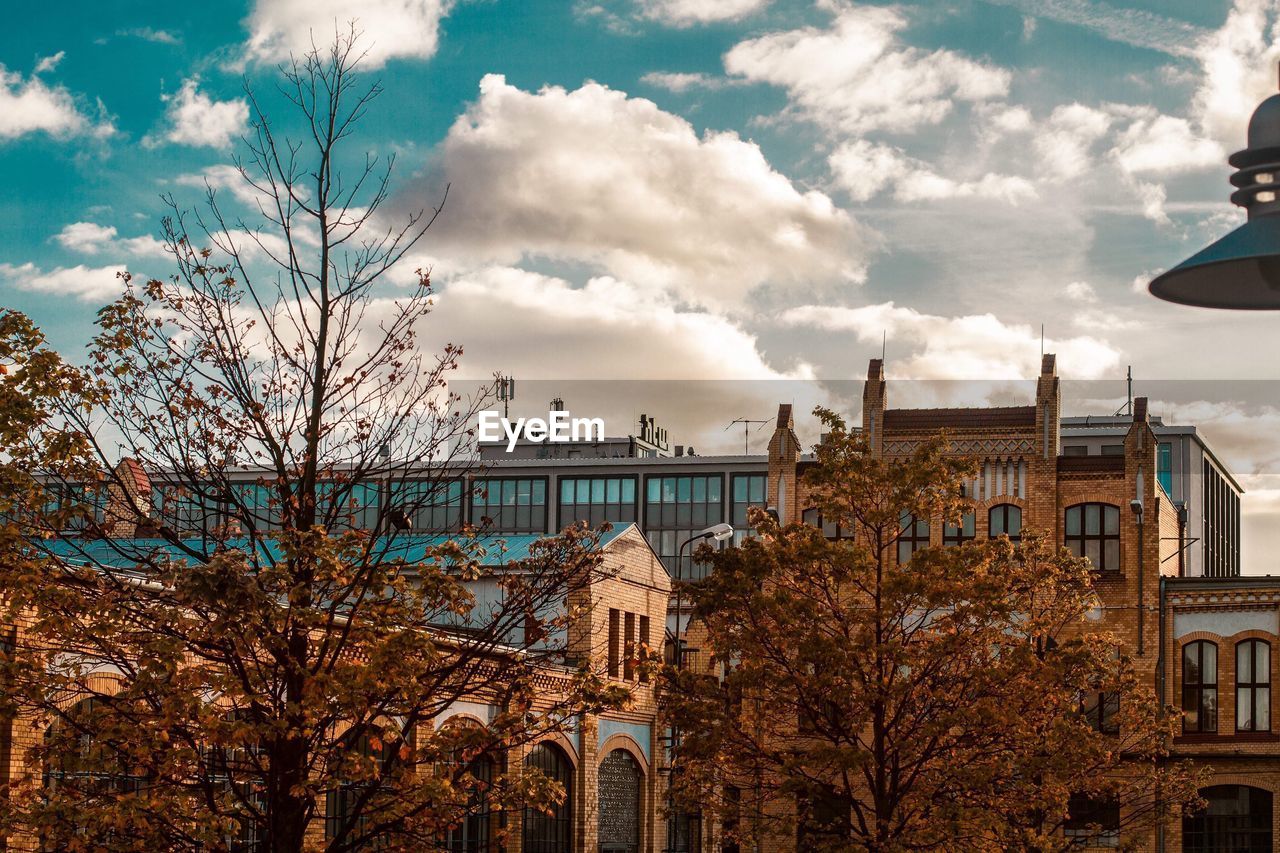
(1242, 270)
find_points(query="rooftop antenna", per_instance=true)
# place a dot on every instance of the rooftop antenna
(1127, 408)
(884, 343)
(1042, 342)
(746, 430)
(505, 388)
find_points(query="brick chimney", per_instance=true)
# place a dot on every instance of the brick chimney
(1048, 408)
(128, 499)
(784, 454)
(873, 405)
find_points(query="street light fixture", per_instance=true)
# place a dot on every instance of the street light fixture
(1242, 270)
(714, 533)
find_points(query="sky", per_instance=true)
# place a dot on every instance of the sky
(765, 191)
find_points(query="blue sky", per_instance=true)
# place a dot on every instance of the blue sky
(703, 189)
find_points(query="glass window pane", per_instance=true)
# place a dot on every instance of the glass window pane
(684, 489)
(1209, 663)
(654, 490)
(904, 551)
(566, 491)
(1111, 555)
(757, 490)
(582, 491)
(540, 492)
(1093, 550)
(668, 489)
(1015, 521)
(740, 486)
(1092, 522)
(1073, 521)
(628, 491)
(1244, 663)
(699, 490)
(1262, 713)
(597, 491)
(1244, 709)
(1111, 517)
(713, 490)
(995, 521)
(1190, 664)
(1262, 662)
(613, 491)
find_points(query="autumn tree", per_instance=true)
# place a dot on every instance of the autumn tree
(262, 666)
(953, 701)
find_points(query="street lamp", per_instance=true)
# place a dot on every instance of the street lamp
(1242, 270)
(716, 533)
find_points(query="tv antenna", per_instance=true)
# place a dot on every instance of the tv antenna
(746, 430)
(1127, 408)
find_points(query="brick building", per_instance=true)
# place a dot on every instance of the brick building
(1121, 493)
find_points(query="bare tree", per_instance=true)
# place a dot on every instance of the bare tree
(262, 666)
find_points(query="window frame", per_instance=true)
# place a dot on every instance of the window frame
(1257, 687)
(565, 517)
(911, 535)
(953, 535)
(1006, 511)
(477, 510)
(1200, 689)
(1078, 543)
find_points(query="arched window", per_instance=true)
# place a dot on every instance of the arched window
(551, 831)
(1093, 531)
(471, 835)
(619, 784)
(352, 802)
(238, 767)
(1235, 818)
(78, 762)
(1253, 686)
(1005, 519)
(955, 534)
(914, 536)
(1199, 687)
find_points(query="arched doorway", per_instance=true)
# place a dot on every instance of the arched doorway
(1237, 819)
(553, 832)
(619, 785)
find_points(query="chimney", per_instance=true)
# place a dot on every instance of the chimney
(128, 499)
(873, 406)
(784, 455)
(1049, 408)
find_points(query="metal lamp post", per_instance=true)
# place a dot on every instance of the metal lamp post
(1242, 270)
(718, 533)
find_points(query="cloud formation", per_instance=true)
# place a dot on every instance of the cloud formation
(971, 347)
(687, 13)
(595, 177)
(87, 284)
(32, 106)
(90, 238)
(856, 75)
(390, 29)
(198, 120)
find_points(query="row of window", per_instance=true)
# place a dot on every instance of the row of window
(1200, 686)
(620, 779)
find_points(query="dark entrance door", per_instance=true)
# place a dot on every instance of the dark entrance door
(1237, 819)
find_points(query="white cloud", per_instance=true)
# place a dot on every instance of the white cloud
(1065, 141)
(681, 81)
(196, 119)
(1131, 26)
(88, 284)
(975, 347)
(593, 176)
(1238, 65)
(605, 329)
(151, 35)
(686, 13)
(48, 63)
(865, 169)
(857, 76)
(89, 238)
(31, 106)
(1165, 145)
(390, 29)
(222, 177)
(1081, 291)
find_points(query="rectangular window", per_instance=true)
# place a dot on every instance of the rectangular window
(185, 511)
(675, 509)
(1095, 822)
(1100, 709)
(615, 650)
(1164, 466)
(427, 506)
(1199, 687)
(913, 537)
(645, 644)
(596, 500)
(509, 505)
(1075, 450)
(1253, 686)
(955, 534)
(1113, 450)
(629, 649)
(748, 491)
(1093, 531)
